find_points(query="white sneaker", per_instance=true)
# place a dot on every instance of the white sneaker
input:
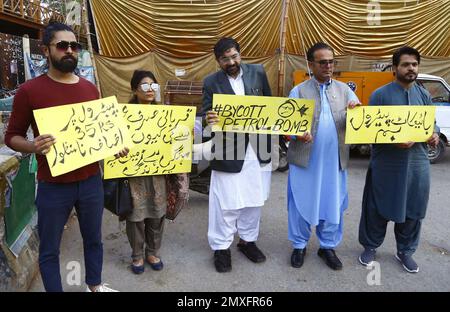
(102, 288)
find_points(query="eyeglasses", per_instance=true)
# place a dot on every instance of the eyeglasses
(324, 63)
(145, 87)
(64, 45)
(228, 59)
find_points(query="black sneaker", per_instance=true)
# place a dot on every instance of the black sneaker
(330, 258)
(367, 257)
(297, 257)
(407, 262)
(252, 252)
(222, 260)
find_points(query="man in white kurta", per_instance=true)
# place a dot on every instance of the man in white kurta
(239, 187)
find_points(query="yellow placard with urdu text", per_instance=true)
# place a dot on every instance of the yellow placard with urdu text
(389, 124)
(262, 114)
(85, 133)
(162, 136)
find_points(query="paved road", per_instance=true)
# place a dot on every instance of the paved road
(189, 264)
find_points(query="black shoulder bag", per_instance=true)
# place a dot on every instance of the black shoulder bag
(117, 196)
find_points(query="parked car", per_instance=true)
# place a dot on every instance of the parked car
(440, 94)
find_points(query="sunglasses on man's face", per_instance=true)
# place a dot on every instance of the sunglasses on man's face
(149, 86)
(64, 45)
(324, 63)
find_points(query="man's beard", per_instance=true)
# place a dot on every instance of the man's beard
(66, 64)
(405, 77)
(232, 69)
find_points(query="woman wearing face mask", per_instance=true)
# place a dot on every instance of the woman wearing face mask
(145, 225)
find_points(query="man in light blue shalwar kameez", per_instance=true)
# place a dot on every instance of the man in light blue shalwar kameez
(317, 183)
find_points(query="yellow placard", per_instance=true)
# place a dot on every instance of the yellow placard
(162, 136)
(389, 124)
(85, 133)
(263, 114)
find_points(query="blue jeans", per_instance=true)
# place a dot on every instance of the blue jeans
(54, 203)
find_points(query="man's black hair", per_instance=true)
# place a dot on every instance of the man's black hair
(225, 44)
(402, 51)
(315, 47)
(51, 29)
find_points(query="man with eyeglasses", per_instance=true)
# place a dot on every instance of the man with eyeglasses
(81, 188)
(398, 178)
(317, 181)
(241, 169)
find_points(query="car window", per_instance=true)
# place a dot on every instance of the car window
(439, 93)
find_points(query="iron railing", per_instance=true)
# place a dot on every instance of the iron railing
(31, 10)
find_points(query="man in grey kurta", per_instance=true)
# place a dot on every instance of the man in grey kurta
(398, 178)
